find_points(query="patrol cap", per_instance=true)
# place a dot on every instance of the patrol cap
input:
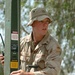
(37, 14)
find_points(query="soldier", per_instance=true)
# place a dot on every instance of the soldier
(40, 52)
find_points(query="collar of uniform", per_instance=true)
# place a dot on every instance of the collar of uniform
(44, 41)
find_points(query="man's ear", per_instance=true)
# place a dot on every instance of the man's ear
(33, 24)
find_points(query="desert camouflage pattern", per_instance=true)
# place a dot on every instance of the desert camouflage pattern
(46, 54)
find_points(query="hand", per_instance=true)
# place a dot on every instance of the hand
(21, 72)
(1, 59)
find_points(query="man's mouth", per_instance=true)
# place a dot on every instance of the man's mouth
(44, 29)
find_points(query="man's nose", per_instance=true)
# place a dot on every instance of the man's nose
(45, 24)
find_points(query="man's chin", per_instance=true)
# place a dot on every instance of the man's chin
(44, 33)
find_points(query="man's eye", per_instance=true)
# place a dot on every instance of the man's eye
(48, 22)
(41, 21)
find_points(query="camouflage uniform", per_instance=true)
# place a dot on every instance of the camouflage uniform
(46, 54)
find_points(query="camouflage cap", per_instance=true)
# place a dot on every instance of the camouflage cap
(37, 14)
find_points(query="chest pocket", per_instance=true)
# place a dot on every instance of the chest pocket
(40, 57)
(28, 54)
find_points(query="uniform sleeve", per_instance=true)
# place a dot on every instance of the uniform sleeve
(52, 63)
(22, 52)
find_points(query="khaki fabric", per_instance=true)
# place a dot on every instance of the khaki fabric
(46, 54)
(38, 14)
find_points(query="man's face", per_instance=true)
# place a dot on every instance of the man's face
(41, 27)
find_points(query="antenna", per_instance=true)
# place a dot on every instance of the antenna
(3, 44)
(2, 40)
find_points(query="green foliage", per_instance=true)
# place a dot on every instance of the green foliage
(23, 2)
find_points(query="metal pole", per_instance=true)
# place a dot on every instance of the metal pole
(15, 35)
(12, 36)
(7, 37)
